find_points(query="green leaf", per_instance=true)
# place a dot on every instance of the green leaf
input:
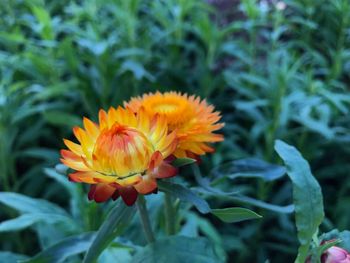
(64, 249)
(250, 167)
(27, 220)
(184, 194)
(235, 214)
(176, 249)
(182, 162)
(25, 204)
(61, 118)
(307, 196)
(6, 256)
(343, 236)
(287, 209)
(44, 20)
(114, 225)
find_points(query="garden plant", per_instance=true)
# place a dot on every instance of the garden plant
(174, 131)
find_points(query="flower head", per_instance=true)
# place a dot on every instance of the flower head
(336, 255)
(192, 118)
(123, 155)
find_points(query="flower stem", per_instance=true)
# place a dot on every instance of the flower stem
(141, 206)
(169, 214)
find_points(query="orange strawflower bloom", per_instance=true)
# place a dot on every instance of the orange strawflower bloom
(192, 118)
(123, 155)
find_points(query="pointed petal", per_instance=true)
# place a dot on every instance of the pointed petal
(165, 170)
(92, 191)
(74, 147)
(156, 160)
(129, 180)
(147, 185)
(129, 195)
(102, 192)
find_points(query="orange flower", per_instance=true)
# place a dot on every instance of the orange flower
(123, 155)
(192, 118)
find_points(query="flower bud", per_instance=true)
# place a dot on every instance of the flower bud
(336, 255)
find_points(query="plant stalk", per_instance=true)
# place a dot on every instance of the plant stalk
(170, 214)
(146, 224)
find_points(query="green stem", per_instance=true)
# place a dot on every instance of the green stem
(146, 224)
(169, 214)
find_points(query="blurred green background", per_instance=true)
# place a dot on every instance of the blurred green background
(275, 69)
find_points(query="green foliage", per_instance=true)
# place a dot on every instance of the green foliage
(274, 71)
(307, 197)
(235, 214)
(180, 248)
(114, 225)
(64, 249)
(342, 236)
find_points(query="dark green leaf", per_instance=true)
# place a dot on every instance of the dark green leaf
(176, 249)
(307, 196)
(184, 194)
(250, 167)
(234, 214)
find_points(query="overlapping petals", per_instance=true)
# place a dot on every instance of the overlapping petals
(193, 119)
(123, 155)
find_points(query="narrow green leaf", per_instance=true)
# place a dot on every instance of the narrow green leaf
(64, 249)
(182, 161)
(235, 214)
(6, 256)
(185, 194)
(176, 249)
(27, 220)
(25, 204)
(250, 167)
(114, 225)
(307, 196)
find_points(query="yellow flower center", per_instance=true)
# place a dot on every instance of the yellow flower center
(121, 151)
(176, 108)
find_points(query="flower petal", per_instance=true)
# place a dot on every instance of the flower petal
(165, 170)
(147, 185)
(129, 195)
(101, 193)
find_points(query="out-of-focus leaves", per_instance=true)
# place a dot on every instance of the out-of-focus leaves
(307, 196)
(184, 194)
(25, 204)
(250, 167)
(27, 220)
(62, 118)
(180, 248)
(6, 256)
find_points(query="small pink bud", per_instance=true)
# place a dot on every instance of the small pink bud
(336, 255)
